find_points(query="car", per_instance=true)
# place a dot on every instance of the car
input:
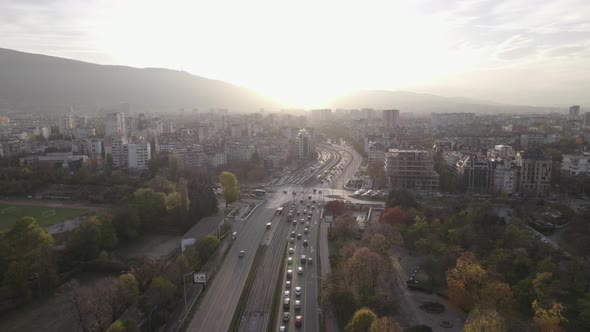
(306, 224)
(289, 260)
(292, 240)
(284, 191)
(298, 212)
(299, 270)
(298, 320)
(305, 230)
(309, 260)
(285, 316)
(294, 222)
(282, 328)
(289, 274)
(287, 284)
(305, 243)
(297, 305)
(302, 220)
(297, 291)
(544, 240)
(304, 211)
(291, 250)
(287, 294)
(299, 236)
(242, 253)
(286, 303)
(309, 218)
(292, 233)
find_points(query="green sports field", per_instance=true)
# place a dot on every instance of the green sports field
(46, 216)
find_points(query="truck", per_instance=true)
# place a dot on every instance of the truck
(303, 259)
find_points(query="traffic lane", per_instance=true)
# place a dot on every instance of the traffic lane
(222, 297)
(310, 319)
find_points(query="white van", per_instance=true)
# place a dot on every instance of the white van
(234, 235)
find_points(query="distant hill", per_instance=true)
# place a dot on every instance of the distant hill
(426, 103)
(34, 82)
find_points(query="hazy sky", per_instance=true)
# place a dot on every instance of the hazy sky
(302, 52)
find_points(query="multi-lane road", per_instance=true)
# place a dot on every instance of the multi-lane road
(219, 303)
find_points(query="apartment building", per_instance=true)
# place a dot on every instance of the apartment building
(535, 178)
(412, 170)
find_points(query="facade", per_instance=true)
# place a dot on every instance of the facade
(535, 177)
(575, 111)
(505, 179)
(304, 144)
(477, 173)
(575, 165)
(390, 118)
(65, 160)
(138, 155)
(115, 124)
(412, 170)
(115, 146)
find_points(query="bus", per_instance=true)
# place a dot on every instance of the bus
(259, 192)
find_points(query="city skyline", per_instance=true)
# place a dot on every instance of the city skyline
(524, 52)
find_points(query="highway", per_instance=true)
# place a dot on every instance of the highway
(217, 307)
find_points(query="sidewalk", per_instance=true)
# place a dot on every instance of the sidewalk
(193, 291)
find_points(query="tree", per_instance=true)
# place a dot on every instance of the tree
(161, 293)
(386, 324)
(465, 280)
(145, 272)
(85, 241)
(402, 198)
(376, 170)
(126, 222)
(162, 185)
(108, 166)
(128, 289)
(150, 206)
(203, 201)
(30, 253)
(361, 321)
(394, 216)
(178, 269)
(484, 319)
(497, 295)
(336, 207)
(229, 186)
(153, 166)
(367, 271)
(548, 316)
(108, 234)
(117, 326)
(345, 227)
(173, 168)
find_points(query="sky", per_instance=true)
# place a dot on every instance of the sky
(302, 53)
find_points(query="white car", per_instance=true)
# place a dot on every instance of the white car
(300, 270)
(287, 294)
(297, 291)
(288, 284)
(290, 250)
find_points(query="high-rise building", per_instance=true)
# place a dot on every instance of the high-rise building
(575, 111)
(115, 124)
(138, 155)
(535, 176)
(69, 122)
(115, 146)
(411, 169)
(390, 118)
(505, 178)
(321, 116)
(304, 144)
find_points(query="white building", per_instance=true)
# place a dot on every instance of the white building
(115, 124)
(505, 179)
(138, 155)
(576, 165)
(304, 144)
(115, 146)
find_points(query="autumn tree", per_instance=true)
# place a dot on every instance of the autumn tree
(126, 222)
(465, 280)
(128, 289)
(385, 324)
(162, 185)
(345, 227)
(336, 207)
(394, 216)
(367, 271)
(361, 321)
(484, 319)
(548, 316)
(229, 186)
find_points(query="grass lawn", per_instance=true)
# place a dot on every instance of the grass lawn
(46, 216)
